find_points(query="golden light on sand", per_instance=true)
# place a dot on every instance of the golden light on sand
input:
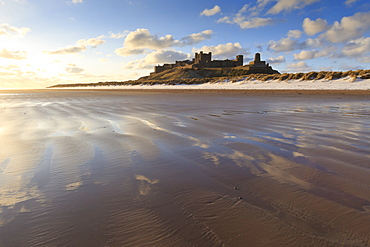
(169, 168)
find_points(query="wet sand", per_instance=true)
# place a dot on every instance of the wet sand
(124, 168)
(207, 91)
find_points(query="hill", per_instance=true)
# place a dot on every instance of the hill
(199, 76)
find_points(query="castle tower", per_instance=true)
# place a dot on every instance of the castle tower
(239, 60)
(257, 58)
(257, 61)
(203, 58)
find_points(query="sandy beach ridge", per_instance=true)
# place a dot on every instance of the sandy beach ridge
(349, 82)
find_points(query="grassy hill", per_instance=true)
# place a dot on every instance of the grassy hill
(189, 73)
(198, 76)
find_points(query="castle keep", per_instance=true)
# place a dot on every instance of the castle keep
(204, 60)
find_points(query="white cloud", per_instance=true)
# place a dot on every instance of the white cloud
(278, 60)
(350, 2)
(225, 19)
(118, 35)
(7, 30)
(247, 16)
(139, 41)
(10, 67)
(125, 52)
(313, 43)
(285, 44)
(77, 1)
(93, 42)
(67, 50)
(223, 50)
(306, 55)
(257, 22)
(348, 28)
(248, 21)
(157, 57)
(196, 38)
(312, 27)
(166, 56)
(81, 45)
(18, 55)
(256, 10)
(358, 47)
(209, 12)
(290, 43)
(143, 39)
(294, 34)
(288, 5)
(298, 67)
(112, 35)
(73, 69)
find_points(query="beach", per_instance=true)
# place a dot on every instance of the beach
(317, 86)
(194, 167)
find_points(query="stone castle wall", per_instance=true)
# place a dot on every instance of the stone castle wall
(202, 60)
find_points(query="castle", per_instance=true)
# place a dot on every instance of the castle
(259, 67)
(204, 60)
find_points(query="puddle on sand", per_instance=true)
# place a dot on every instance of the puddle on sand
(197, 141)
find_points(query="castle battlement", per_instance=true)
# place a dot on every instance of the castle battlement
(204, 60)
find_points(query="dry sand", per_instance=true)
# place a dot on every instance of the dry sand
(131, 168)
(319, 85)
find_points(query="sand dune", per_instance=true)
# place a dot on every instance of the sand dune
(231, 78)
(323, 86)
(120, 168)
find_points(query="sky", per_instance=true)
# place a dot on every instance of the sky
(47, 42)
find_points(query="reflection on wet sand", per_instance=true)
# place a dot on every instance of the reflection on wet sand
(132, 169)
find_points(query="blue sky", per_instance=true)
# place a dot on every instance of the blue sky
(45, 42)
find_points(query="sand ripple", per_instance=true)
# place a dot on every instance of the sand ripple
(131, 169)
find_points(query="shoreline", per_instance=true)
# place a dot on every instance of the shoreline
(204, 91)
